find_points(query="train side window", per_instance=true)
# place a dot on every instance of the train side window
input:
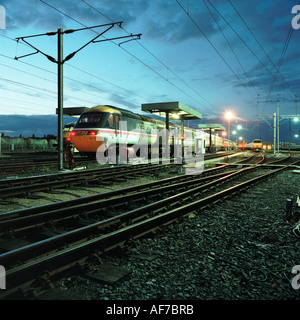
(117, 119)
(111, 120)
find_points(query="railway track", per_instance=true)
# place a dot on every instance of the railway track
(17, 166)
(254, 158)
(103, 175)
(75, 232)
(37, 163)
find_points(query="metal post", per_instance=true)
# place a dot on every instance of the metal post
(275, 122)
(278, 129)
(167, 147)
(210, 148)
(289, 135)
(215, 141)
(60, 98)
(60, 61)
(228, 137)
(182, 139)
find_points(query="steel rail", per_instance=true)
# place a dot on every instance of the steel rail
(5, 182)
(100, 196)
(68, 257)
(79, 178)
(35, 220)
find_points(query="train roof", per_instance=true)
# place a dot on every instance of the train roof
(103, 108)
(128, 113)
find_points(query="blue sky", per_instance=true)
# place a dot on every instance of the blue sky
(198, 52)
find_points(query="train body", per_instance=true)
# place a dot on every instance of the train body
(67, 130)
(255, 145)
(242, 145)
(103, 127)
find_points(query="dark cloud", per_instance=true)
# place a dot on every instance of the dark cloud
(15, 125)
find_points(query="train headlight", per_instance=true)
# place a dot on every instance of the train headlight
(93, 133)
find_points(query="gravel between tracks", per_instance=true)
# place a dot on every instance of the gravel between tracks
(242, 249)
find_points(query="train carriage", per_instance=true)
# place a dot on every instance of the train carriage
(103, 127)
(256, 145)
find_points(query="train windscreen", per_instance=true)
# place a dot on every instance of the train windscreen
(89, 120)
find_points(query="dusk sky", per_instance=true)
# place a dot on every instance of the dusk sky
(211, 55)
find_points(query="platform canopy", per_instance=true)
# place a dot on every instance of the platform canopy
(211, 126)
(175, 110)
(73, 112)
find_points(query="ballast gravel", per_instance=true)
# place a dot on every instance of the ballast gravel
(242, 248)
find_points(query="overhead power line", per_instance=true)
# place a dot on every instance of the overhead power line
(232, 50)
(128, 52)
(255, 38)
(156, 58)
(243, 41)
(217, 51)
(70, 65)
(60, 61)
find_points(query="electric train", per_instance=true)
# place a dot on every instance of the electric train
(103, 127)
(256, 145)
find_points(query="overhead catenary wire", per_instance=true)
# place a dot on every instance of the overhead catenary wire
(156, 58)
(286, 44)
(129, 53)
(48, 80)
(243, 41)
(232, 50)
(261, 46)
(213, 46)
(68, 78)
(69, 65)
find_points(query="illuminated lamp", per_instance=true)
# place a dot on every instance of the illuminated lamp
(93, 133)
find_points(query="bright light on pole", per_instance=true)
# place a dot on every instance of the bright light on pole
(228, 116)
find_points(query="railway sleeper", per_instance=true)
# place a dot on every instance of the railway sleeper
(179, 210)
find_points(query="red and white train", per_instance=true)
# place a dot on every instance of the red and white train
(103, 127)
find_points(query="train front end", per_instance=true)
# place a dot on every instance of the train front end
(94, 128)
(256, 145)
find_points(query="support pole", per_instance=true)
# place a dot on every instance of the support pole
(289, 135)
(60, 97)
(167, 147)
(210, 148)
(228, 137)
(275, 122)
(182, 139)
(278, 129)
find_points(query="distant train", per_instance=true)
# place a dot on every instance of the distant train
(98, 129)
(67, 130)
(242, 145)
(255, 146)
